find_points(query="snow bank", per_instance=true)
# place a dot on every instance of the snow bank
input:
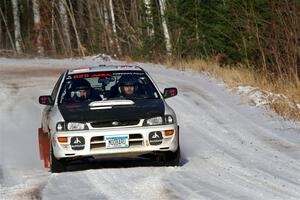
(258, 97)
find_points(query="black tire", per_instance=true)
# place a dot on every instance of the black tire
(56, 166)
(172, 158)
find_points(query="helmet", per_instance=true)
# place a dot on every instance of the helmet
(77, 87)
(81, 84)
(128, 80)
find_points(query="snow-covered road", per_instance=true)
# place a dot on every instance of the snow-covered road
(229, 150)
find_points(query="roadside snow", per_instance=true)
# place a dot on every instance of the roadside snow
(229, 150)
(258, 97)
(56, 63)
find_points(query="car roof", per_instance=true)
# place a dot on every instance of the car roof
(104, 68)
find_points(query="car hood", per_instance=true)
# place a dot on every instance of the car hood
(141, 109)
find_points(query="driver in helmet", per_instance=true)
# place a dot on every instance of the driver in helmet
(128, 86)
(82, 90)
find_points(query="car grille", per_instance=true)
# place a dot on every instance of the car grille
(98, 142)
(115, 123)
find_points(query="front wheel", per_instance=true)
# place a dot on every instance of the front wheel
(56, 166)
(172, 158)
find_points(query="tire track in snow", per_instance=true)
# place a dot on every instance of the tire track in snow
(123, 183)
(19, 150)
(217, 123)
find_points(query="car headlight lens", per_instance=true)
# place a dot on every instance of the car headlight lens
(167, 119)
(74, 126)
(71, 126)
(153, 121)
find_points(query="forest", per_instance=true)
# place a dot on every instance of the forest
(261, 35)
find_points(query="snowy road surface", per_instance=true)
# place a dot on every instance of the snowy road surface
(229, 150)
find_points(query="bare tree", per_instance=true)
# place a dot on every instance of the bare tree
(7, 30)
(162, 5)
(73, 21)
(18, 37)
(106, 24)
(149, 17)
(90, 6)
(1, 31)
(113, 22)
(103, 35)
(37, 25)
(53, 23)
(65, 24)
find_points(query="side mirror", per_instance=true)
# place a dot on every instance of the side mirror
(45, 100)
(170, 92)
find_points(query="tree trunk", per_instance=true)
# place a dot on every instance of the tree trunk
(82, 26)
(18, 38)
(102, 36)
(65, 25)
(91, 29)
(113, 22)
(149, 17)
(1, 35)
(53, 44)
(73, 21)
(107, 29)
(37, 25)
(162, 5)
(7, 30)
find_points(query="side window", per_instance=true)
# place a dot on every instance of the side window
(56, 87)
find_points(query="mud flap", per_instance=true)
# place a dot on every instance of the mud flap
(44, 147)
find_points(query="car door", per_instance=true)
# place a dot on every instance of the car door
(48, 108)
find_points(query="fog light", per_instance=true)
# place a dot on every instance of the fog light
(65, 146)
(169, 132)
(62, 139)
(169, 119)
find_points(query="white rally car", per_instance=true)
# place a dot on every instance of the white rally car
(107, 111)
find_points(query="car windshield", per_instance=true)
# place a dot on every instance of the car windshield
(99, 86)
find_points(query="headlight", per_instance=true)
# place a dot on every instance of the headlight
(71, 126)
(74, 126)
(153, 121)
(167, 119)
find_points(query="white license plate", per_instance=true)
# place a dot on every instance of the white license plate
(117, 141)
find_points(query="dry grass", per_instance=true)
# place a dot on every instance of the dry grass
(244, 76)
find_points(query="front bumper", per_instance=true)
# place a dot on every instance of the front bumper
(95, 145)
